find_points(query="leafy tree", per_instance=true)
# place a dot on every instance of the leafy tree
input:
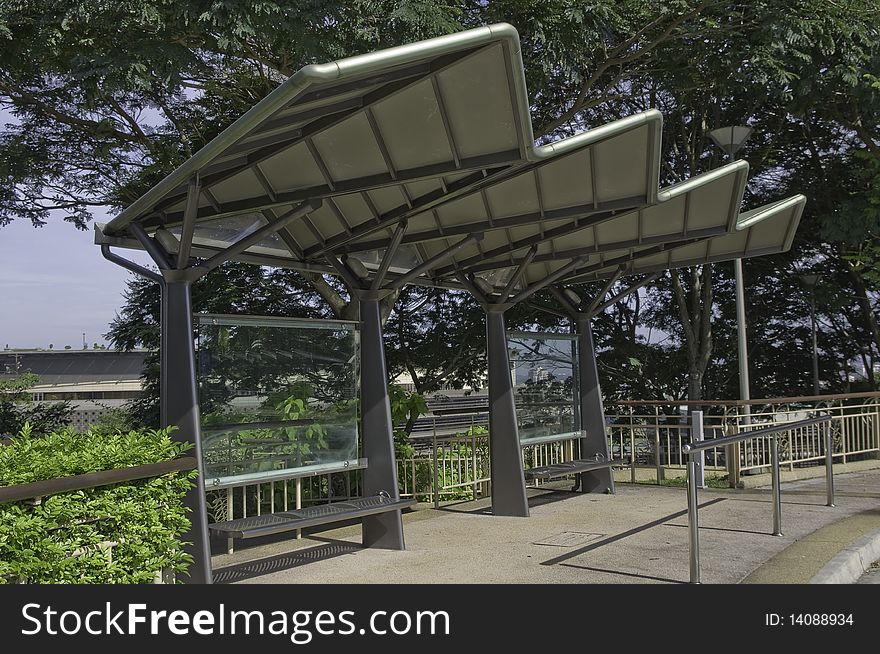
(18, 409)
(107, 98)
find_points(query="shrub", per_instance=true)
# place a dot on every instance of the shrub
(119, 533)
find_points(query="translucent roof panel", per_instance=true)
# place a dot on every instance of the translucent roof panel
(706, 205)
(429, 147)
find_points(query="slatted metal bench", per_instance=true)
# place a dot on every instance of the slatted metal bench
(313, 516)
(557, 470)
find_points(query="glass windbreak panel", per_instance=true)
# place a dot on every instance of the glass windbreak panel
(278, 396)
(542, 368)
(223, 232)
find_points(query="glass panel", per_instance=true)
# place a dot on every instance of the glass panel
(543, 373)
(276, 394)
(498, 277)
(223, 232)
(405, 259)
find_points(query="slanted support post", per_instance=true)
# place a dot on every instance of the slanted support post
(592, 412)
(179, 406)
(508, 482)
(385, 530)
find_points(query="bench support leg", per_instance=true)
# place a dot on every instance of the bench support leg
(179, 405)
(592, 412)
(508, 482)
(384, 531)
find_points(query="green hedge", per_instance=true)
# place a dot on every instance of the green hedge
(144, 518)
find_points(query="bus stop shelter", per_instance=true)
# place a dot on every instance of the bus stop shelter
(418, 165)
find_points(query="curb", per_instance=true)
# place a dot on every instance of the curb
(851, 563)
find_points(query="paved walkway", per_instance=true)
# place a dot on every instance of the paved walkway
(638, 535)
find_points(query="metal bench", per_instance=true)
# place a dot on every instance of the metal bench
(557, 470)
(276, 523)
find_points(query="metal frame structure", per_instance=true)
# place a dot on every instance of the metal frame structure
(418, 165)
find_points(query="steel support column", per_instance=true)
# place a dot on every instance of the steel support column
(180, 408)
(384, 531)
(592, 412)
(508, 482)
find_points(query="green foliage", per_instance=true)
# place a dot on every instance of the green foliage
(17, 409)
(66, 537)
(109, 97)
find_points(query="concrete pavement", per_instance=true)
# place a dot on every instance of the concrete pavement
(638, 535)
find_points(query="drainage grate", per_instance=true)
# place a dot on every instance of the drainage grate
(570, 539)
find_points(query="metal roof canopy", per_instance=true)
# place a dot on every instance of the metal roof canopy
(418, 164)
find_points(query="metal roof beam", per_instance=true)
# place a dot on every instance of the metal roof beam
(189, 221)
(431, 199)
(353, 186)
(401, 281)
(563, 230)
(389, 255)
(537, 286)
(395, 84)
(153, 248)
(577, 211)
(698, 234)
(626, 260)
(601, 295)
(345, 272)
(258, 235)
(594, 311)
(518, 273)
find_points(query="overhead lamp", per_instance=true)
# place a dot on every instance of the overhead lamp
(484, 286)
(810, 280)
(357, 267)
(572, 297)
(730, 139)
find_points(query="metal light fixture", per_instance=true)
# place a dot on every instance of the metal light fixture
(572, 297)
(483, 285)
(357, 267)
(730, 139)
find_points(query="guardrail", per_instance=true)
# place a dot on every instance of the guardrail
(38, 489)
(654, 431)
(697, 446)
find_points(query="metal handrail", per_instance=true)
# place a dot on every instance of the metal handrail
(88, 480)
(763, 400)
(695, 449)
(739, 438)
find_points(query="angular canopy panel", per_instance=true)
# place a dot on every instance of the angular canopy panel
(428, 149)
(704, 206)
(766, 230)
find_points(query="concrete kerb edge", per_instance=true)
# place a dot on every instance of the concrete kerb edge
(812, 472)
(851, 563)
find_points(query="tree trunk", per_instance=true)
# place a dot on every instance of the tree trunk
(868, 314)
(695, 313)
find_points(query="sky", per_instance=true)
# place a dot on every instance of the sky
(55, 285)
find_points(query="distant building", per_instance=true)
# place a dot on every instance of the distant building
(538, 374)
(93, 381)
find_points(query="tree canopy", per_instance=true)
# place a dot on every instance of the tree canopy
(105, 98)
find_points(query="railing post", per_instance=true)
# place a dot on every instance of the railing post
(474, 477)
(298, 505)
(777, 491)
(693, 519)
(436, 480)
(658, 464)
(697, 437)
(632, 454)
(829, 465)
